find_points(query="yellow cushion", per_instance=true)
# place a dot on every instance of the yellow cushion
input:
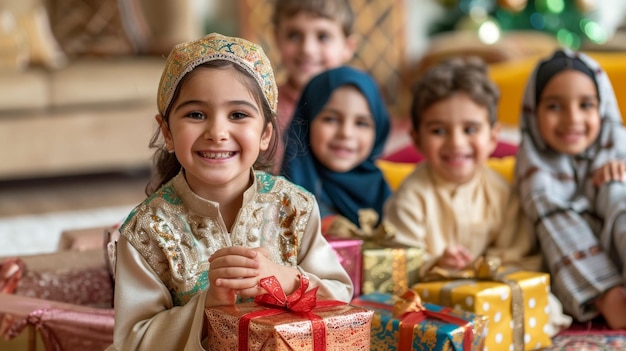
(395, 172)
(511, 77)
(505, 166)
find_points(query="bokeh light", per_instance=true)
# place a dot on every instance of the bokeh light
(489, 32)
(550, 6)
(537, 21)
(571, 22)
(555, 6)
(552, 21)
(593, 31)
(567, 38)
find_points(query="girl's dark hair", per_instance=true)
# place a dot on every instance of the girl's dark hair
(467, 75)
(166, 165)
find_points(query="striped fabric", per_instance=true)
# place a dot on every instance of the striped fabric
(575, 221)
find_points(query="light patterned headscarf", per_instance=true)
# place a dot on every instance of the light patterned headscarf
(535, 156)
(572, 218)
(186, 56)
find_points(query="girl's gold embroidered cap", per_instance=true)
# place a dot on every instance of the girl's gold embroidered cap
(186, 56)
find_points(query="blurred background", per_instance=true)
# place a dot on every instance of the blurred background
(78, 84)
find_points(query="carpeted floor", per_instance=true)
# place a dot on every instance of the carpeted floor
(590, 336)
(33, 213)
(593, 340)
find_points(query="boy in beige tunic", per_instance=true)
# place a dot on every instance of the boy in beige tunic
(453, 205)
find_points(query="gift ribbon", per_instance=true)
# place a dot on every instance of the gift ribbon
(300, 302)
(367, 230)
(11, 271)
(400, 272)
(410, 317)
(485, 269)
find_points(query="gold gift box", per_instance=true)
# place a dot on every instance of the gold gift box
(494, 299)
(389, 270)
(346, 327)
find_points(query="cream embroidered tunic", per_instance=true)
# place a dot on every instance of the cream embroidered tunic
(162, 257)
(482, 215)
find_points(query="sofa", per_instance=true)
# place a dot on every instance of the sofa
(78, 82)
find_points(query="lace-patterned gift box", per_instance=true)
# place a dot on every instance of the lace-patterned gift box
(345, 327)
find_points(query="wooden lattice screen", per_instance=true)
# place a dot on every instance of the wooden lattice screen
(379, 25)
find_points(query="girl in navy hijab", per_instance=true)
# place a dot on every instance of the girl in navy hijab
(339, 129)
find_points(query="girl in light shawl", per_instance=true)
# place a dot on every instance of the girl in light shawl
(569, 172)
(334, 140)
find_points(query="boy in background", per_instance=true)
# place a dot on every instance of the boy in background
(453, 205)
(312, 37)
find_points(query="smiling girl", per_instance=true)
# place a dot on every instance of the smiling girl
(215, 225)
(338, 131)
(570, 172)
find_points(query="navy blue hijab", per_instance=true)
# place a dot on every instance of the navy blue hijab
(342, 193)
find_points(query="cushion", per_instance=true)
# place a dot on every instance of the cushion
(155, 26)
(120, 79)
(31, 18)
(89, 28)
(409, 154)
(13, 46)
(395, 172)
(28, 90)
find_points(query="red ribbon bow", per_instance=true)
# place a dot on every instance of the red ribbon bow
(300, 302)
(411, 312)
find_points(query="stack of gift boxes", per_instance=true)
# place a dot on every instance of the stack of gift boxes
(506, 310)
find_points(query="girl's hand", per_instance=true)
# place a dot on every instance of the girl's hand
(232, 269)
(287, 276)
(610, 171)
(455, 257)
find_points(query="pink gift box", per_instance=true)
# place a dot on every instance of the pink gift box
(349, 253)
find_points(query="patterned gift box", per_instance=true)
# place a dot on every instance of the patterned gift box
(349, 254)
(389, 269)
(516, 303)
(436, 329)
(345, 327)
(295, 322)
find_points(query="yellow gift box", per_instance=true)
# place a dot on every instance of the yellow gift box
(520, 325)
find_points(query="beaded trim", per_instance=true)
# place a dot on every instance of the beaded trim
(185, 57)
